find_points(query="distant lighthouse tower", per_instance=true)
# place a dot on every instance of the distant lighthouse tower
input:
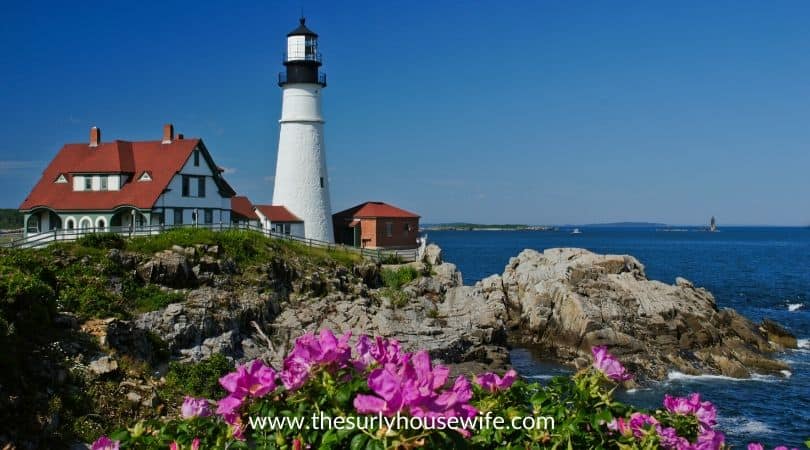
(301, 183)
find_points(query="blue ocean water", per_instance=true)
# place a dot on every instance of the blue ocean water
(760, 272)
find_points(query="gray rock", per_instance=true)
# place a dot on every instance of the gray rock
(103, 365)
(433, 255)
(567, 300)
(134, 397)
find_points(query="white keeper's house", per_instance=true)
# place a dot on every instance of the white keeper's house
(127, 184)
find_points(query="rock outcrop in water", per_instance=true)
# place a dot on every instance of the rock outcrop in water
(565, 300)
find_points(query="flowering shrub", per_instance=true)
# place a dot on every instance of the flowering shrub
(323, 377)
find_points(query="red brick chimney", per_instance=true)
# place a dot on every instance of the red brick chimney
(168, 133)
(95, 136)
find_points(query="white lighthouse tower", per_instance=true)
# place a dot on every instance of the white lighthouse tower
(301, 182)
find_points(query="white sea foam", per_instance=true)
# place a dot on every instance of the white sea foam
(676, 376)
(540, 377)
(750, 427)
(803, 343)
(786, 373)
(680, 376)
(795, 306)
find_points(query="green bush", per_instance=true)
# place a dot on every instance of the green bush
(25, 300)
(396, 278)
(150, 297)
(102, 240)
(89, 298)
(198, 379)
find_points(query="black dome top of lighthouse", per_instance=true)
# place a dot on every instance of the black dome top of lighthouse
(302, 29)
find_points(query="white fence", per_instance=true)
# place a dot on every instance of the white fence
(45, 238)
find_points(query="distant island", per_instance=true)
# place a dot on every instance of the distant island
(624, 225)
(462, 226)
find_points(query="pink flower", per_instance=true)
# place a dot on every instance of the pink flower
(609, 365)
(311, 351)
(195, 407)
(253, 379)
(174, 446)
(388, 386)
(105, 443)
(639, 424)
(195, 444)
(755, 446)
(228, 408)
(620, 425)
(669, 439)
(381, 351)
(710, 440)
(492, 382)
(705, 412)
(415, 387)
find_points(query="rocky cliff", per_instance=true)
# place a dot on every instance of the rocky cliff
(565, 300)
(93, 327)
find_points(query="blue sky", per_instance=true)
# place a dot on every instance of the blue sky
(531, 112)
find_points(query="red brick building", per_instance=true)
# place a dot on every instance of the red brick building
(376, 225)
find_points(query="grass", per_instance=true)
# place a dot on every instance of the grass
(396, 278)
(197, 379)
(244, 247)
(151, 298)
(398, 298)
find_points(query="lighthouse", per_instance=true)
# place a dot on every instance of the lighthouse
(301, 181)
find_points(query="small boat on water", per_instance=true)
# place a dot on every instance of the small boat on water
(576, 231)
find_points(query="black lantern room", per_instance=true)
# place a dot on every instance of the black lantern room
(302, 58)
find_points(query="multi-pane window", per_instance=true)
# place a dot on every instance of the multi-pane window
(209, 216)
(187, 183)
(104, 182)
(178, 216)
(88, 183)
(389, 229)
(196, 158)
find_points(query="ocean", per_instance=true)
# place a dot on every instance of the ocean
(759, 271)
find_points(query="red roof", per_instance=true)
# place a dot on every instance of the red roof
(377, 209)
(241, 206)
(162, 161)
(277, 213)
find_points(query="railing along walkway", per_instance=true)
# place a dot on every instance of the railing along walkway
(45, 238)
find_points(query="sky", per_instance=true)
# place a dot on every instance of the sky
(549, 112)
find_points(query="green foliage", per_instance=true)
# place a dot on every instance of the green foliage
(89, 297)
(197, 379)
(396, 278)
(568, 413)
(397, 298)
(26, 297)
(389, 258)
(102, 240)
(149, 297)
(10, 219)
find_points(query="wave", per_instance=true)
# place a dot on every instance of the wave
(795, 306)
(803, 343)
(740, 425)
(680, 376)
(540, 377)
